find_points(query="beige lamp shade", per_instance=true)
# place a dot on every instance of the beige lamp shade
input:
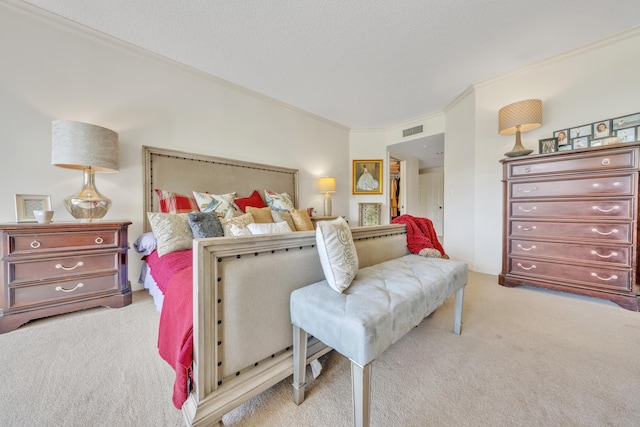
(76, 145)
(525, 114)
(327, 185)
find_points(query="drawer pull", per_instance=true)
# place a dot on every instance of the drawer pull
(605, 162)
(612, 277)
(527, 169)
(525, 228)
(527, 249)
(35, 244)
(526, 268)
(599, 209)
(60, 266)
(99, 240)
(612, 254)
(614, 231)
(527, 190)
(520, 208)
(61, 289)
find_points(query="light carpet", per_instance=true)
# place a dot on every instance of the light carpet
(526, 357)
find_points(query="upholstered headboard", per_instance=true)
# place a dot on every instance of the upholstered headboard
(184, 173)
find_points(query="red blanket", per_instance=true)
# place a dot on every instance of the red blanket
(175, 335)
(420, 234)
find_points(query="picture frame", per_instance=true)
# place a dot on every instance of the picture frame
(601, 129)
(632, 120)
(582, 142)
(580, 131)
(27, 203)
(548, 145)
(367, 177)
(565, 147)
(562, 136)
(626, 134)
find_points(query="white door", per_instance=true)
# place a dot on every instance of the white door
(432, 199)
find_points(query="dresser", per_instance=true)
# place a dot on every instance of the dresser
(571, 222)
(56, 268)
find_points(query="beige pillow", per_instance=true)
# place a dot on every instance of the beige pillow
(301, 220)
(172, 231)
(240, 221)
(260, 215)
(279, 216)
(337, 252)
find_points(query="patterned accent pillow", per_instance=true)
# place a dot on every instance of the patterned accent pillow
(240, 221)
(254, 200)
(172, 232)
(301, 220)
(174, 203)
(337, 252)
(260, 215)
(221, 204)
(279, 216)
(272, 228)
(237, 231)
(279, 202)
(205, 224)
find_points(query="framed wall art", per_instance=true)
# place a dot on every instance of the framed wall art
(367, 177)
(27, 203)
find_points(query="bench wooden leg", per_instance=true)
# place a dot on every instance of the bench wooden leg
(299, 365)
(361, 388)
(457, 322)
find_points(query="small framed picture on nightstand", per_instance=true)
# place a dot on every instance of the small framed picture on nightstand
(27, 203)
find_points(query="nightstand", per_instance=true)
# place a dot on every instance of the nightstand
(56, 268)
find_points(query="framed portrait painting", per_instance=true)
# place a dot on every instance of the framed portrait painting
(367, 177)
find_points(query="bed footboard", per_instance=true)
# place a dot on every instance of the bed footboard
(241, 327)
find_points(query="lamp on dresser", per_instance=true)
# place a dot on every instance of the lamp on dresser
(90, 148)
(327, 185)
(521, 116)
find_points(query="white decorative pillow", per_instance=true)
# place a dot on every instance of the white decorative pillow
(278, 201)
(337, 252)
(279, 216)
(172, 232)
(269, 228)
(221, 204)
(237, 231)
(239, 221)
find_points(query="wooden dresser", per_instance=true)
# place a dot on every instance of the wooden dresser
(571, 222)
(56, 268)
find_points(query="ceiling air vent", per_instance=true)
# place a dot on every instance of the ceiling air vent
(412, 131)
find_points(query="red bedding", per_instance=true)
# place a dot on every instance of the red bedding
(420, 234)
(173, 273)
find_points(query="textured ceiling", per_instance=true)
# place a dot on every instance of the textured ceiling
(360, 63)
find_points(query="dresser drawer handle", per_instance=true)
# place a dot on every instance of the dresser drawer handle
(525, 228)
(612, 277)
(35, 244)
(60, 266)
(527, 169)
(527, 249)
(605, 162)
(527, 190)
(614, 231)
(520, 208)
(597, 208)
(61, 289)
(612, 254)
(526, 268)
(99, 240)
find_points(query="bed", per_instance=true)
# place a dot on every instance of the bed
(235, 303)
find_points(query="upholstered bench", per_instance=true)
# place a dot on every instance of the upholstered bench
(383, 302)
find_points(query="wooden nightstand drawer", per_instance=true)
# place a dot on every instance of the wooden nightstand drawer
(28, 295)
(40, 242)
(44, 269)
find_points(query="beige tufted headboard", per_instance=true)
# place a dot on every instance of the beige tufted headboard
(184, 173)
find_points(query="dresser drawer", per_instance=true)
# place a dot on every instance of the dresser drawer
(605, 278)
(36, 242)
(572, 231)
(620, 255)
(588, 162)
(622, 185)
(43, 269)
(596, 209)
(50, 293)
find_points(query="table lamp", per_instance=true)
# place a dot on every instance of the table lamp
(519, 117)
(327, 185)
(90, 148)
